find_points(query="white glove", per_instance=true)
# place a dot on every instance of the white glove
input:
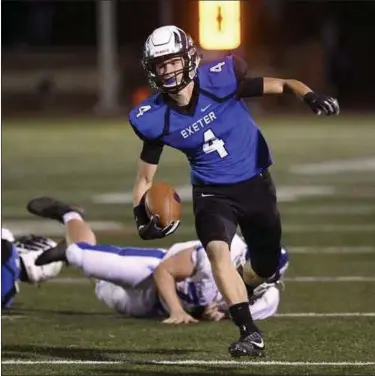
(33, 243)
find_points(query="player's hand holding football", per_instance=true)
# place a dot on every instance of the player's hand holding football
(152, 230)
(322, 104)
(180, 317)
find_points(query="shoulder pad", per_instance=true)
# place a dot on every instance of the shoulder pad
(148, 117)
(218, 75)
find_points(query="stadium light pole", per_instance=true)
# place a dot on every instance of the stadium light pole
(108, 70)
(165, 12)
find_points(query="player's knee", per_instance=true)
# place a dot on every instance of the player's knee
(218, 252)
(111, 295)
(74, 254)
(265, 264)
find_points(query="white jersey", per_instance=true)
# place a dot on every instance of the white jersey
(200, 289)
(135, 295)
(140, 299)
(123, 274)
(134, 302)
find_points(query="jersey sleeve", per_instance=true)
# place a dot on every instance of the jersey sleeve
(246, 86)
(240, 68)
(151, 149)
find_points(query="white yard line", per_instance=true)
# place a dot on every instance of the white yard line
(328, 210)
(327, 314)
(50, 228)
(335, 167)
(79, 280)
(190, 362)
(284, 193)
(277, 315)
(296, 228)
(351, 278)
(20, 227)
(331, 250)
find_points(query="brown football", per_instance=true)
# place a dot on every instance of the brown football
(163, 200)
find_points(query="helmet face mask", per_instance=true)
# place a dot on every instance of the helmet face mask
(170, 45)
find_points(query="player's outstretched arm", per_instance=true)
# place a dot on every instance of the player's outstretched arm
(257, 86)
(143, 182)
(147, 227)
(174, 269)
(319, 104)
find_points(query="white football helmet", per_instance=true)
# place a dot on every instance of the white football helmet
(165, 43)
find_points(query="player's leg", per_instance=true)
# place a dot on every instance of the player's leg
(127, 267)
(261, 228)
(265, 298)
(139, 302)
(76, 229)
(124, 266)
(216, 225)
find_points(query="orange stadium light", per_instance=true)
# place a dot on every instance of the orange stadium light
(219, 25)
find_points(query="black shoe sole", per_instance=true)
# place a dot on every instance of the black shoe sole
(47, 207)
(57, 253)
(241, 353)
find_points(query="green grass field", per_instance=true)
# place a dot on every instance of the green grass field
(325, 173)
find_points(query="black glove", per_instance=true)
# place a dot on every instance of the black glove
(153, 231)
(321, 104)
(148, 228)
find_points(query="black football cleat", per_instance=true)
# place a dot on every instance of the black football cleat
(57, 253)
(47, 207)
(249, 345)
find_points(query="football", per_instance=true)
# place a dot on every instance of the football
(163, 200)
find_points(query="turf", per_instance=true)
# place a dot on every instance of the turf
(78, 159)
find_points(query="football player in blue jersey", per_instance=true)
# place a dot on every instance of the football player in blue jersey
(18, 263)
(199, 110)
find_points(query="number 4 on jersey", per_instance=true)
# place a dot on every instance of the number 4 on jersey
(142, 110)
(212, 143)
(217, 67)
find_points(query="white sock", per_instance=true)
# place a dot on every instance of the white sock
(71, 216)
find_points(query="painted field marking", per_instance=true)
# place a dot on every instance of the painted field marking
(186, 362)
(326, 314)
(335, 167)
(349, 278)
(277, 315)
(307, 279)
(331, 250)
(285, 193)
(25, 227)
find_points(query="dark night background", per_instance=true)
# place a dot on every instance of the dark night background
(344, 30)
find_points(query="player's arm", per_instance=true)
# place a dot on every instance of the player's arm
(176, 268)
(147, 166)
(143, 182)
(258, 86)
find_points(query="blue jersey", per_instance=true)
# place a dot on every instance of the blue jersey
(220, 139)
(10, 272)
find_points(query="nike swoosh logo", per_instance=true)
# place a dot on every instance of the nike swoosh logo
(258, 344)
(205, 108)
(206, 195)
